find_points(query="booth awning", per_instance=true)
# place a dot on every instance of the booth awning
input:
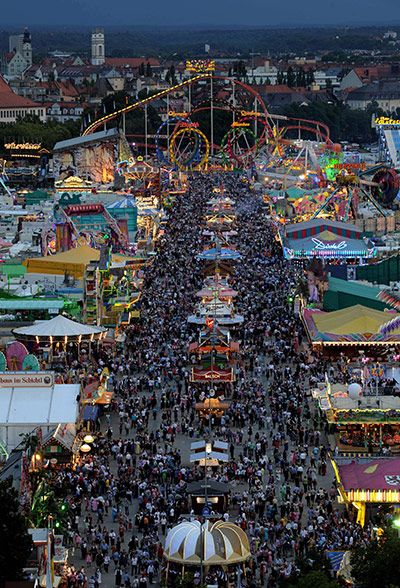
(71, 262)
(355, 324)
(90, 413)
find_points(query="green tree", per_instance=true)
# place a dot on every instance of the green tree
(31, 129)
(149, 72)
(378, 563)
(290, 77)
(141, 69)
(30, 442)
(310, 78)
(45, 504)
(300, 78)
(172, 74)
(314, 580)
(15, 542)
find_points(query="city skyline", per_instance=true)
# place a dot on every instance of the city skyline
(223, 13)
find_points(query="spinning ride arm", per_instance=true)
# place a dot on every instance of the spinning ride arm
(140, 103)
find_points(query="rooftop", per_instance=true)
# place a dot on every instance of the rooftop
(8, 98)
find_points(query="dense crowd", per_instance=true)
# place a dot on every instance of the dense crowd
(127, 494)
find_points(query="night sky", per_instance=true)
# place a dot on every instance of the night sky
(202, 12)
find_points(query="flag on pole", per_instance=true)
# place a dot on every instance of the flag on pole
(50, 558)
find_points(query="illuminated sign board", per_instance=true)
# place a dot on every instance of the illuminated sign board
(350, 166)
(179, 114)
(26, 379)
(324, 245)
(189, 125)
(199, 65)
(23, 146)
(386, 120)
(250, 113)
(240, 124)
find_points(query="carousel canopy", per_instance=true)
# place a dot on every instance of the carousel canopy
(219, 253)
(222, 543)
(352, 325)
(128, 202)
(58, 327)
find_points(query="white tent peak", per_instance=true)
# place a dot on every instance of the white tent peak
(59, 326)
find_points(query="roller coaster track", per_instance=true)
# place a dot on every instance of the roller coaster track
(140, 103)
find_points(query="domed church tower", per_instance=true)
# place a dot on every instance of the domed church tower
(98, 47)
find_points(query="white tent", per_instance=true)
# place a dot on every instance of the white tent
(59, 326)
(22, 409)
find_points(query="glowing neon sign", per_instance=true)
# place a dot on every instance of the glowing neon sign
(250, 113)
(178, 114)
(199, 65)
(323, 245)
(23, 146)
(386, 120)
(236, 124)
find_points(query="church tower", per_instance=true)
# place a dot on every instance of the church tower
(26, 48)
(98, 47)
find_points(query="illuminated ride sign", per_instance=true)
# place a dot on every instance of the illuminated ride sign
(324, 245)
(252, 113)
(350, 166)
(237, 124)
(200, 65)
(188, 125)
(386, 120)
(178, 114)
(23, 146)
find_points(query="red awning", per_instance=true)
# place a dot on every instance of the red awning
(375, 474)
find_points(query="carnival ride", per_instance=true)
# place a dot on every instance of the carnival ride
(283, 150)
(378, 185)
(181, 142)
(89, 224)
(4, 179)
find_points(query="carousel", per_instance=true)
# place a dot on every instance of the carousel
(220, 544)
(58, 336)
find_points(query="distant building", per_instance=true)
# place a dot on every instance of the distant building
(360, 76)
(390, 35)
(281, 95)
(13, 106)
(98, 46)
(385, 93)
(19, 57)
(64, 111)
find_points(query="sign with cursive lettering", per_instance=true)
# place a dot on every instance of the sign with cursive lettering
(238, 124)
(386, 120)
(326, 245)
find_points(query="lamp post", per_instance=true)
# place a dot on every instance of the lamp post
(208, 450)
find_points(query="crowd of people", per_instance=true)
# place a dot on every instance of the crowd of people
(130, 490)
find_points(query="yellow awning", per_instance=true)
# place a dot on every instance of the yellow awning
(354, 319)
(72, 262)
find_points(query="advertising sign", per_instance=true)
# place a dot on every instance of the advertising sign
(26, 379)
